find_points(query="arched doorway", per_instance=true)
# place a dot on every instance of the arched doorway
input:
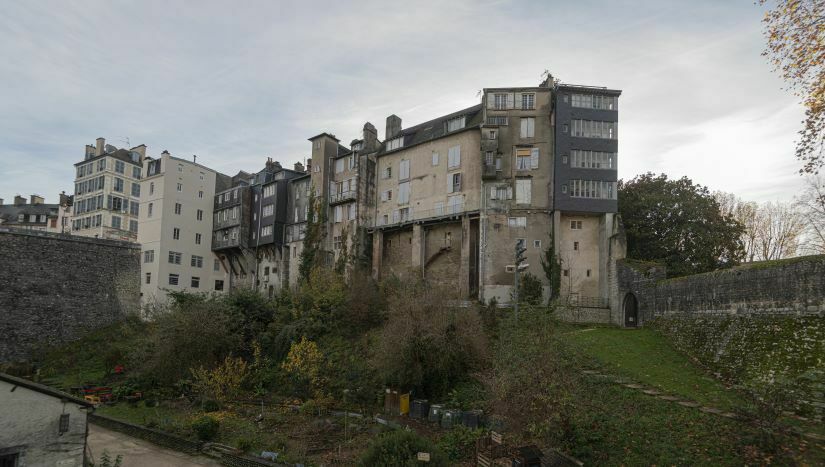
(631, 311)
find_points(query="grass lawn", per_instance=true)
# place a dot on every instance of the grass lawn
(645, 356)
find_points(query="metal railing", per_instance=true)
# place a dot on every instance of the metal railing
(342, 196)
(420, 214)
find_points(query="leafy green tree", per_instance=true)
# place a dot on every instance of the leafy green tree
(678, 223)
(530, 289)
(312, 253)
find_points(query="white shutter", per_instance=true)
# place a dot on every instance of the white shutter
(518, 100)
(492, 192)
(534, 158)
(531, 127)
(491, 100)
(509, 192)
(449, 183)
(509, 100)
(523, 127)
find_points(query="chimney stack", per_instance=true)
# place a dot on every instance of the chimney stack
(195, 158)
(19, 200)
(1, 201)
(99, 144)
(298, 168)
(165, 152)
(36, 199)
(309, 165)
(393, 127)
(370, 136)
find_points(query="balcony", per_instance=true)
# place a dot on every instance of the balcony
(344, 196)
(407, 215)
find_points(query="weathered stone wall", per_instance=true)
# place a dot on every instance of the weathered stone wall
(55, 287)
(792, 286)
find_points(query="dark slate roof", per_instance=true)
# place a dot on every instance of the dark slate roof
(435, 129)
(324, 134)
(121, 154)
(10, 212)
(342, 150)
(589, 89)
(24, 383)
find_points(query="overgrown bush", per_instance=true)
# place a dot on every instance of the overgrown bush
(530, 289)
(306, 366)
(460, 442)
(427, 344)
(205, 428)
(400, 448)
(222, 383)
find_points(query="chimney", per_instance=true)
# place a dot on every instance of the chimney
(64, 199)
(393, 127)
(1, 201)
(99, 143)
(298, 168)
(36, 199)
(270, 166)
(370, 135)
(165, 152)
(309, 165)
(195, 158)
(19, 200)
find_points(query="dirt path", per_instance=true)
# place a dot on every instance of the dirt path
(138, 453)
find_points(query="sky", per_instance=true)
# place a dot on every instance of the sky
(237, 82)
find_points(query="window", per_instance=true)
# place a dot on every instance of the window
(589, 101)
(498, 164)
(118, 185)
(339, 165)
(133, 226)
(173, 279)
(136, 173)
(217, 265)
(218, 284)
(564, 188)
(136, 189)
(453, 182)
(269, 190)
(489, 157)
(404, 192)
(492, 134)
(387, 172)
(565, 128)
(265, 231)
(500, 120)
(523, 159)
(536, 243)
(395, 143)
(575, 225)
(176, 233)
(457, 123)
(115, 222)
(351, 211)
(564, 159)
(575, 246)
(528, 127)
(149, 213)
(268, 210)
(201, 174)
(528, 101)
(592, 159)
(501, 192)
(588, 273)
(200, 194)
(199, 215)
(174, 257)
(151, 188)
(148, 277)
(595, 129)
(149, 256)
(177, 208)
(595, 189)
(101, 164)
(196, 282)
(523, 190)
(197, 239)
(454, 157)
(196, 262)
(180, 187)
(455, 204)
(517, 222)
(386, 195)
(120, 167)
(404, 169)
(566, 272)
(500, 101)
(435, 158)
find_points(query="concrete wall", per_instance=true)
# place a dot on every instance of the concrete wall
(793, 286)
(56, 287)
(30, 426)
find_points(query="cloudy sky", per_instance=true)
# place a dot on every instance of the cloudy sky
(236, 82)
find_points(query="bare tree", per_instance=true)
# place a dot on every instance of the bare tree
(749, 215)
(781, 230)
(812, 205)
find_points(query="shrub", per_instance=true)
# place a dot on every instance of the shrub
(244, 444)
(210, 405)
(305, 365)
(224, 381)
(467, 395)
(426, 344)
(400, 448)
(460, 442)
(530, 289)
(205, 428)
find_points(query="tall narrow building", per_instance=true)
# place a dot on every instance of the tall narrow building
(106, 199)
(176, 212)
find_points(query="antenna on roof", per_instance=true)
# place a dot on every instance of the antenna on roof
(125, 139)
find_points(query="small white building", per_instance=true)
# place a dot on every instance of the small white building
(40, 425)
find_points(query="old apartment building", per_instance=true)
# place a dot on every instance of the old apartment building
(176, 228)
(34, 215)
(107, 192)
